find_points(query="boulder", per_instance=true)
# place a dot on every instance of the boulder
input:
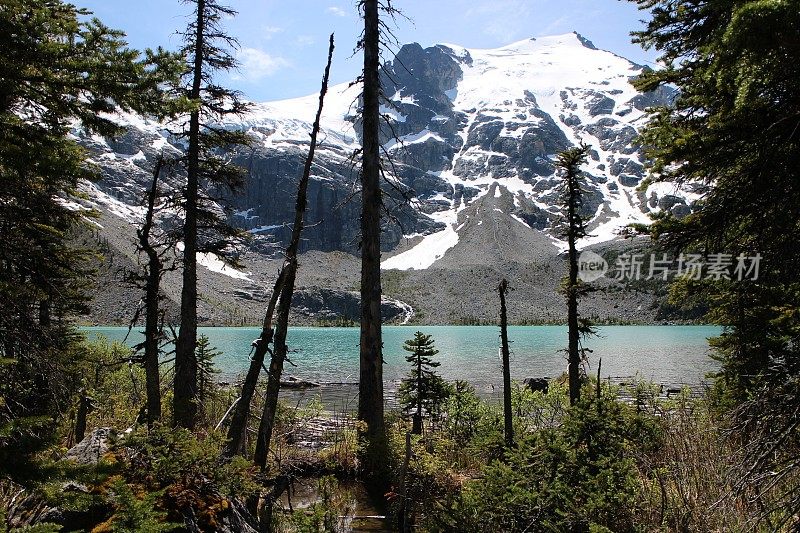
(93, 447)
(537, 384)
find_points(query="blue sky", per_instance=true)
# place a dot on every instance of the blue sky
(284, 42)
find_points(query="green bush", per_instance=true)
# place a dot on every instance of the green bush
(431, 482)
(571, 477)
(471, 425)
(114, 383)
(135, 515)
(176, 457)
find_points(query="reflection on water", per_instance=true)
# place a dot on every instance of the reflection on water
(366, 514)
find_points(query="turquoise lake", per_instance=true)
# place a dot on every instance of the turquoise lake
(664, 354)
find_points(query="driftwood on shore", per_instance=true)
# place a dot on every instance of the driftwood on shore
(292, 382)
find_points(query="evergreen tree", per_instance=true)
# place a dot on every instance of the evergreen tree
(570, 161)
(370, 389)
(205, 355)
(733, 134)
(59, 70)
(423, 390)
(732, 131)
(207, 52)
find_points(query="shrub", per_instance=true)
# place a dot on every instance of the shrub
(189, 470)
(175, 456)
(572, 477)
(133, 514)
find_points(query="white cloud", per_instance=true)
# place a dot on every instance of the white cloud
(304, 40)
(268, 31)
(256, 64)
(338, 11)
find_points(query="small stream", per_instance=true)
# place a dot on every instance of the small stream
(365, 515)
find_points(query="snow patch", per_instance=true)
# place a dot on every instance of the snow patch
(425, 253)
(215, 264)
(393, 113)
(263, 229)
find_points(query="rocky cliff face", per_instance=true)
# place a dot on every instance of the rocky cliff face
(458, 120)
(472, 136)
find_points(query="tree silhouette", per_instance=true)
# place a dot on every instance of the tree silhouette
(570, 162)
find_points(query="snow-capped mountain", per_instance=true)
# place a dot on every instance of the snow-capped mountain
(458, 121)
(473, 134)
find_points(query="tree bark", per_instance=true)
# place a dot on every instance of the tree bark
(403, 524)
(416, 426)
(508, 420)
(370, 399)
(185, 384)
(287, 288)
(275, 368)
(84, 405)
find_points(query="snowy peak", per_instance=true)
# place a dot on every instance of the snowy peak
(462, 126)
(500, 116)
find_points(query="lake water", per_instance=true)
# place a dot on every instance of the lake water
(664, 354)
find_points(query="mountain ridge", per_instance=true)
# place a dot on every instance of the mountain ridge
(472, 133)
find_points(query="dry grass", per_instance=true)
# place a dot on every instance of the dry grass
(689, 482)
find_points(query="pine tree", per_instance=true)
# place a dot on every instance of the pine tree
(207, 51)
(206, 370)
(732, 132)
(570, 161)
(59, 70)
(423, 391)
(733, 135)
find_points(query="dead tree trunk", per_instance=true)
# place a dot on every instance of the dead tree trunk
(277, 359)
(370, 397)
(84, 406)
(241, 413)
(287, 288)
(509, 423)
(152, 331)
